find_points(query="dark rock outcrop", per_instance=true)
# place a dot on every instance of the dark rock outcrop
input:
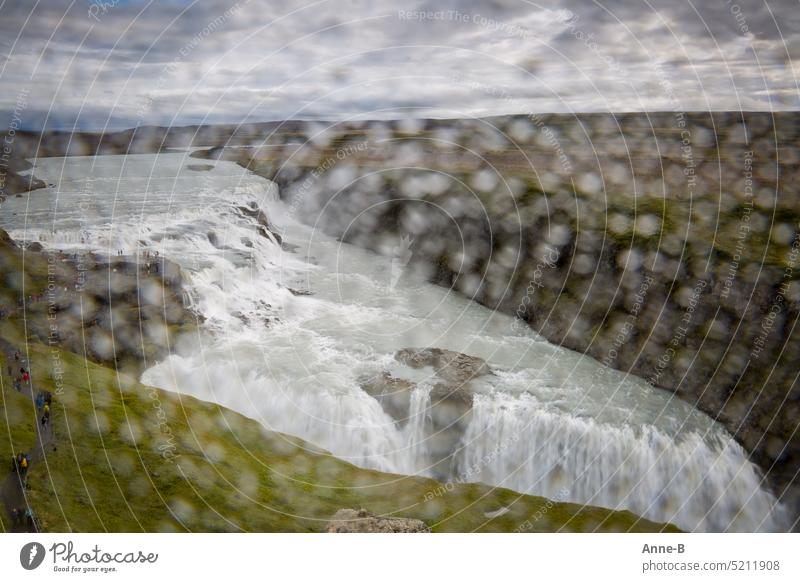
(449, 393)
(448, 385)
(11, 180)
(393, 394)
(264, 228)
(6, 240)
(115, 311)
(454, 369)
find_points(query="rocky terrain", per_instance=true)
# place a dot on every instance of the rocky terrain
(11, 180)
(361, 521)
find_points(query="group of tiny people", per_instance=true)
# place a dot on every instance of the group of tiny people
(22, 517)
(147, 254)
(23, 377)
(150, 260)
(21, 462)
(43, 398)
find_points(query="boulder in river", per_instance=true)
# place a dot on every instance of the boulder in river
(394, 394)
(452, 367)
(452, 371)
(264, 226)
(450, 398)
(200, 167)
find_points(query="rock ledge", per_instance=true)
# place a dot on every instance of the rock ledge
(361, 521)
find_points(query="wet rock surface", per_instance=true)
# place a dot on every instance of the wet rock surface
(393, 394)
(265, 228)
(449, 399)
(14, 182)
(453, 369)
(447, 385)
(200, 167)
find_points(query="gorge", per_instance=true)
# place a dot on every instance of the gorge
(356, 352)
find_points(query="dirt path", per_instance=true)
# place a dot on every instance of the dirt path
(13, 492)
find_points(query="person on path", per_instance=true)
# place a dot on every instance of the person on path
(25, 375)
(22, 466)
(45, 416)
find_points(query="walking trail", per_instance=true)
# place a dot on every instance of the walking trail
(13, 492)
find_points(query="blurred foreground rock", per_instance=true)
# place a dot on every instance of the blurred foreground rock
(361, 521)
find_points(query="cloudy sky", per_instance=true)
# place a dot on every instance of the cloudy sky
(122, 63)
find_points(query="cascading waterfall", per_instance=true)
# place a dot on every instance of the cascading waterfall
(702, 483)
(545, 423)
(419, 423)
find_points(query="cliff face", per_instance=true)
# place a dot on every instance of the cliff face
(663, 245)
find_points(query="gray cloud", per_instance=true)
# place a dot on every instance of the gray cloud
(129, 62)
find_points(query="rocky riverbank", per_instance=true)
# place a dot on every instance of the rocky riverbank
(665, 245)
(12, 182)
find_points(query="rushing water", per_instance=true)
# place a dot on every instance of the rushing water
(292, 334)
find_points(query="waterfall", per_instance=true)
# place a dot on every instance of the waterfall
(545, 422)
(418, 428)
(698, 482)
